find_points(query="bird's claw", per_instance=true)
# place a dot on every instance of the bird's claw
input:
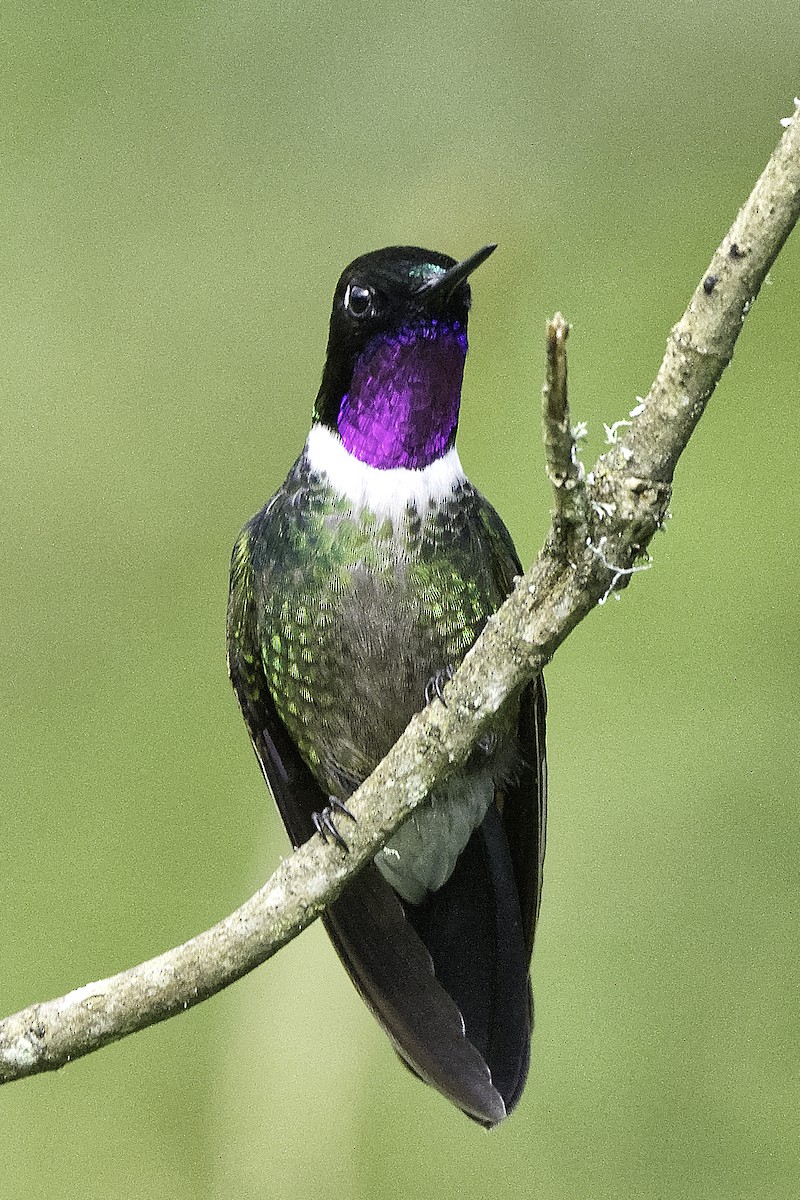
(436, 684)
(487, 743)
(326, 826)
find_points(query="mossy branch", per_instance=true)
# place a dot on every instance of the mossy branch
(602, 524)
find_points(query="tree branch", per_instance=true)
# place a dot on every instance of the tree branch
(601, 526)
(564, 468)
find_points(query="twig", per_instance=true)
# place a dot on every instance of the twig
(564, 468)
(627, 494)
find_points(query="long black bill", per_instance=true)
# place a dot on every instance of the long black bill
(441, 287)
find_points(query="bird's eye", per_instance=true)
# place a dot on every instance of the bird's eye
(358, 300)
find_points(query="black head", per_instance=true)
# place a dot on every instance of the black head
(385, 291)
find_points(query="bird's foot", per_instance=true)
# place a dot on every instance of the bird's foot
(436, 684)
(325, 824)
(487, 743)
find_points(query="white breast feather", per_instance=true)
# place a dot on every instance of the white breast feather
(389, 492)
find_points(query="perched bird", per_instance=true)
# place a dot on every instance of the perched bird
(354, 593)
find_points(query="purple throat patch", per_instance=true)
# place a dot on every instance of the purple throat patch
(402, 406)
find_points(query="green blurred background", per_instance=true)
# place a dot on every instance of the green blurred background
(181, 185)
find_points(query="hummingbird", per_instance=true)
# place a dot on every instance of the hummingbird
(355, 592)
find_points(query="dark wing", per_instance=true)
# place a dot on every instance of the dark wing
(525, 809)
(524, 805)
(479, 927)
(385, 957)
